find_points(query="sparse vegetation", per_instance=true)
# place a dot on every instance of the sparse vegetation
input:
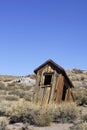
(2, 85)
(11, 97)
(4, 105)
(84, 117)
(66, 112)
(3, 123)
(81, 97)
(24, 111)
(16, 105)
(42, 119)
(83, 126)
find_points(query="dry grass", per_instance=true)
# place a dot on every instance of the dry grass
(3, 123)
(65, 112)
(24, 111)
(15, 97)
(80, 97)
(83, 126)
(4, 106)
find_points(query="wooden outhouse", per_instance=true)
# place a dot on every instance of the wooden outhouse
(53, 86)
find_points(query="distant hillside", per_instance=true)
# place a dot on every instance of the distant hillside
(18, 86)
(78, 78)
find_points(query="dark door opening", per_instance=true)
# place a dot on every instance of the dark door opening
(64, 93)
(47, 80)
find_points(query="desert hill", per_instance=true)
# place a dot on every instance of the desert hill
(23, 86)
(77, 76)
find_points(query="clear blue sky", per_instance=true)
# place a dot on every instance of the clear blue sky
(32, 31)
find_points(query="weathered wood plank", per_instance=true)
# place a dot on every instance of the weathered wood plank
(37, 96)
(53, 83)
(60, 84)
(46, 96)
(68, 95)
(36, 88)
(72, 96)
(42, 94)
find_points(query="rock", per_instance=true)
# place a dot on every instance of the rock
(26, 80)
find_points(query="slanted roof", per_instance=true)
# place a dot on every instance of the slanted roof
(57, 67)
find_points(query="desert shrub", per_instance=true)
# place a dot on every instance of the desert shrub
(32, 118)
(20, 93)
(12, 84)
(4, 105)
(3, 123)
(17, 92)
(42, 119)
(25, 87)
(83, 126)
(22, 111)
(66, 112)
(2, 86)
(82, 78)
(12, 92)
(84, 118)
(2, 110)
(25, 111)
(3, 92)
(11, 97)
(28, 97)
(2, 97)
(81, 98)
(12, 87)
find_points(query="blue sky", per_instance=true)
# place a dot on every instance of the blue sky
(32, 31)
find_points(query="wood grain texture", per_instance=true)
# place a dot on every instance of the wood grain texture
(59, 88)
(46, 96)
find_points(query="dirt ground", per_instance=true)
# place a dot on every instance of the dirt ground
(55, 127)
(20, 126)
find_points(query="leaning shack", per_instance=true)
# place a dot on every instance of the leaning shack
(52, 84)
